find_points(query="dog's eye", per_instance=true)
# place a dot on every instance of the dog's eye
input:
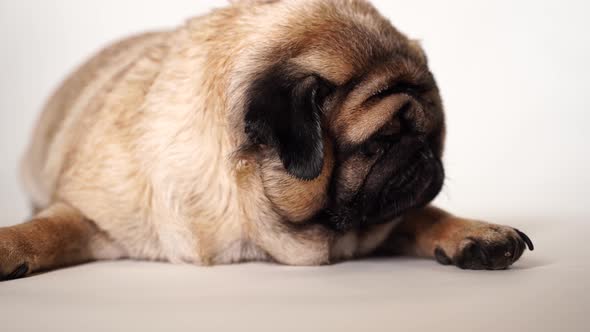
(372, 148)
(387, 136)
(377, 145)
(383, 140)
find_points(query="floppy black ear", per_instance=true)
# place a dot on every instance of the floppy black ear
(284, 112)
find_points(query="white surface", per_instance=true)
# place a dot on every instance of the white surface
(546, 291)
(513, 75)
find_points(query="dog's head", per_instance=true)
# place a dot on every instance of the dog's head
(347, 120)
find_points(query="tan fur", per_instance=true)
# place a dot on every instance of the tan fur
(60, 236)
(144, 150)
(139, 151)
(293, 199)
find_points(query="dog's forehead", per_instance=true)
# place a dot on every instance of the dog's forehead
(342, 39)
(359, 114)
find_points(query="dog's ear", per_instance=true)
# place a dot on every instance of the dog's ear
(284, 112)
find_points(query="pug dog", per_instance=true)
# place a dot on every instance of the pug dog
(298, 132)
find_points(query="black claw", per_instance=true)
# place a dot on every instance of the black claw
(20, 272)
(441, 257)
(526, 239)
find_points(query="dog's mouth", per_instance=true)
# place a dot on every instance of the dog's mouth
(411, 185)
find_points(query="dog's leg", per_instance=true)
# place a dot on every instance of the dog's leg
(468, 244)
(58, 236)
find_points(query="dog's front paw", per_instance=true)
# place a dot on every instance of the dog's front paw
(13, 264)
(483, 247)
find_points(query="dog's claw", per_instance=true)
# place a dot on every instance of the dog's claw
(19, 272)
(526, 239)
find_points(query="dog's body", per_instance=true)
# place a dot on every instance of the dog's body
(235, 138)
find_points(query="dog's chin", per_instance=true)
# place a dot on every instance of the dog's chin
(414, 187)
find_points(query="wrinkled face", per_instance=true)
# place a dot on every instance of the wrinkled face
(348, 139)
(387, 130)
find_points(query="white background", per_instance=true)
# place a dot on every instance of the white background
(513, 74)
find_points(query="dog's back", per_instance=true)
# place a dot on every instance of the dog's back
(59, 123)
